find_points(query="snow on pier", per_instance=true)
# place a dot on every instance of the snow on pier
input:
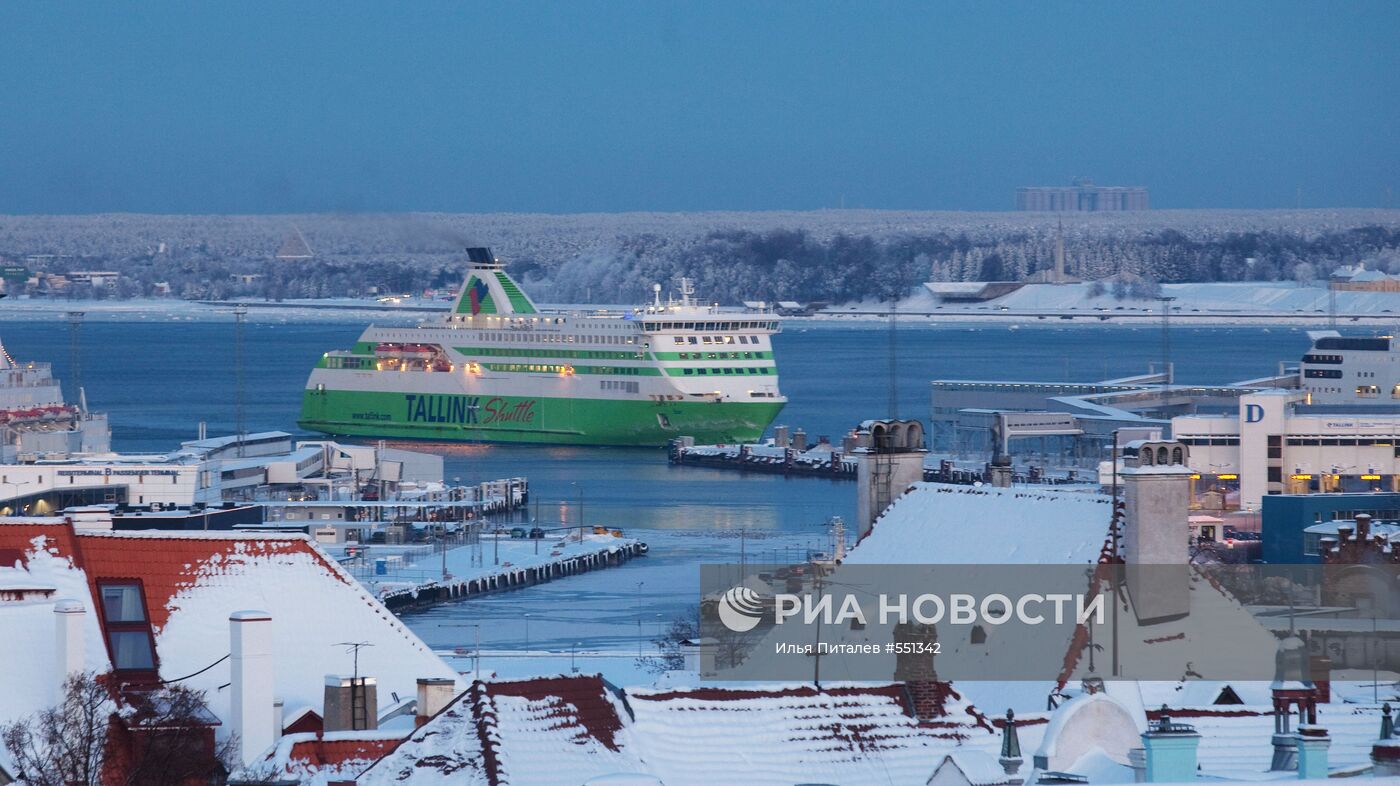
(405, 579)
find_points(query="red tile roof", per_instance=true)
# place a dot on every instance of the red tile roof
(320, 752)
(164, 564)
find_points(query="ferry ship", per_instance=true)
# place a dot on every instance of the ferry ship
(37, 423)
(496, 368)
(1358, 371)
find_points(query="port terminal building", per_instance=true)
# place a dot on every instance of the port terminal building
(209, 472)
(1276, 443)
(1071, 424)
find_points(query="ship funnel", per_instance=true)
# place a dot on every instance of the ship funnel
(481, 257)
(489, 290)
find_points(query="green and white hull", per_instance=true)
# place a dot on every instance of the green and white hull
(496, 369)
(559, 421)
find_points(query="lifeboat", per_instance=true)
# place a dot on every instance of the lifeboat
(388, 348)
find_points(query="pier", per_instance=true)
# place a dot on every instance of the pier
(825, 460)
(411, 579)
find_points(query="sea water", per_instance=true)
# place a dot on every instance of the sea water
(157, 379)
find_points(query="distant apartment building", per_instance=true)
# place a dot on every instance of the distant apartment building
(1081, 196)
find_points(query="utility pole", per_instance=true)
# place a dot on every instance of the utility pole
(75, 354)
(239, 314)
(894, 361)
(1167, 374)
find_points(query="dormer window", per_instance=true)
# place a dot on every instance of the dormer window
(128, 630)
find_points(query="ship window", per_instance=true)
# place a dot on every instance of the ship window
(689, 371)
(702, 372)
(692, 339)
(680, 340)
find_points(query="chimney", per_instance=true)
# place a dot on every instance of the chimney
(69, 617)
(352, 704)
(890, 460)
(1156, 494)
(799, 440)
(1312, 744)
(1170, 750)
(253, 716)
(780, 437)
(914, 668)
(279, 718)
(1293, 692)
(1363, 527)
(434, 693)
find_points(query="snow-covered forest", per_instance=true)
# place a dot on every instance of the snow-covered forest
(834, 256)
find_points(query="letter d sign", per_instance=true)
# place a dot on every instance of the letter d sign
(1253, 413)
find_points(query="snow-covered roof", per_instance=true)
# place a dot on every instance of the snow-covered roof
(311, 759)
(573, 729)
(977, 767)
(191, 583)
(842, 734)
(936, 523)
(549, 730)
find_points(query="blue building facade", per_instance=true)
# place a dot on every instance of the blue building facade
(1285, 516)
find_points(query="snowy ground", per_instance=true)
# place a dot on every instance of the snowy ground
(1198, 304)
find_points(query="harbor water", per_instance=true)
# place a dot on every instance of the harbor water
(158, 378)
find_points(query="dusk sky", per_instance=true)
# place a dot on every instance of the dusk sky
(573, 107)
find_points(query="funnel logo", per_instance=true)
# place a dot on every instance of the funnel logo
(740, 609)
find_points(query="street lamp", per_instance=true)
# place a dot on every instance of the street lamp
(527, 632)
(572, 652)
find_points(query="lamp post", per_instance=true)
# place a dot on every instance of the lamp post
(527, 632)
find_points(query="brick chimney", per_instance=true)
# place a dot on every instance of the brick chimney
(915, 669)
(252, 714)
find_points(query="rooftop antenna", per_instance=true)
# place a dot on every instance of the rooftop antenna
(75, 354)
(239, 314)
(656, 296)
(358, 712)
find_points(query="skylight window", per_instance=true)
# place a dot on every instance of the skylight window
(129, 639)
